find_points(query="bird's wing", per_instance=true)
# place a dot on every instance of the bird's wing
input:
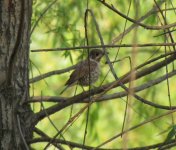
(81, 70)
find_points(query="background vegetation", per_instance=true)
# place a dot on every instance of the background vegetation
(61, 24)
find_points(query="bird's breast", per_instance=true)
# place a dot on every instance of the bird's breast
(94, 75)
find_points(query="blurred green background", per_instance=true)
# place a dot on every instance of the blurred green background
(63, 26)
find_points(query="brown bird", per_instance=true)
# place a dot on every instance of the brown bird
(81, 73)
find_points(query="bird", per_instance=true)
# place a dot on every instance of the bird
(81, 73)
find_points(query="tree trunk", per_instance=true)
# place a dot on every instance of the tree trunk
(15, 127)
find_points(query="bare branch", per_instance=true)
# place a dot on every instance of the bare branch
(42, 14)
(134, 127)
(125, 79)
(85, 147)
(111, 7)
(48, 74)
(103, 46)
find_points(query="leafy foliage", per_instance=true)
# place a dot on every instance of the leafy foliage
(63, 26)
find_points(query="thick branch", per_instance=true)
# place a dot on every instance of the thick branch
(125, 79)
(104, 97)
(73, 144)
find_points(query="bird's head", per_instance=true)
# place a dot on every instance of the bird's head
(96, 54)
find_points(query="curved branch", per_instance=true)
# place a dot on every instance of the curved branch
(73, 144)
(69, 143)
(125, 79)
(48, 74)
(56, 72)
(135, 127)
(105, 97)
(111, 7)
(41, 15)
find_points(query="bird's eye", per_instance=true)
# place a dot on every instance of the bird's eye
(96, 54)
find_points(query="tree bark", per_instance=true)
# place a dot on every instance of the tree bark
(15, 116)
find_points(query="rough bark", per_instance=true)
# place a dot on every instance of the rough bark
(15, 127)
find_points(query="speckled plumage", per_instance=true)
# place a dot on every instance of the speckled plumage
(81, 73)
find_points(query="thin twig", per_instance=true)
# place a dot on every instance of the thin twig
(103, 46)
(86, 147)
(21, 133)
(134, 127)
(48, 74)
(41, 15)
(87, 43)
(52, 123)
(44, 135)
(70, 121)
(165, 40)
(111, 7)
(131, 27)
(45, 138)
